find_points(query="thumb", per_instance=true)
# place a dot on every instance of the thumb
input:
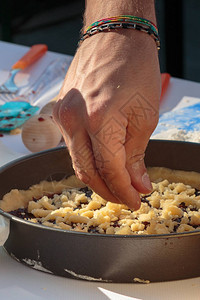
(135, 152)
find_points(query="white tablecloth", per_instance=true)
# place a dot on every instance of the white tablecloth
(20, 282)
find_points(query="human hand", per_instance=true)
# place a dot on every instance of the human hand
(107, 111)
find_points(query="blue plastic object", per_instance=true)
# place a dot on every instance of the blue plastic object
(15, 114)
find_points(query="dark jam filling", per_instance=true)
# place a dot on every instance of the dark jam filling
(87, 191)
(144, 200)
(25, 215)
(22, 213)
(92, 229)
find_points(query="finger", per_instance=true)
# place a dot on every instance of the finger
(84, 165)
(142, 114)
(135, 151)
(79, 145)
(110, 158)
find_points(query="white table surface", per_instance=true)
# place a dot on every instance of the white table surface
(20, 282)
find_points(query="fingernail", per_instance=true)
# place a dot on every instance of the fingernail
(146, 181)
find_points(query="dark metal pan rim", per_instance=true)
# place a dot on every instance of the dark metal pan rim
(98, 235)
(28, 156)
(174, 141)
(32, 155)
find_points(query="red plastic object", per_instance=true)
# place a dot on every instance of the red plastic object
(165, 79)
(35, 52)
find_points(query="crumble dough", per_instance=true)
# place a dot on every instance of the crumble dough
(173, 206)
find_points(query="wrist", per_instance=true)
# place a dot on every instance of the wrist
(108, 8)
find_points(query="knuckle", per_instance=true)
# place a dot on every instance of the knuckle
(109, 174)
(66, 116)
(105, 174)
(136, 158)
(67, 111)
(69, 105)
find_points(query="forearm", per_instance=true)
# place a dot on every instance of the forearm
(98, 9)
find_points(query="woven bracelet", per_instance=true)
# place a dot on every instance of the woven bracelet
(127, 22)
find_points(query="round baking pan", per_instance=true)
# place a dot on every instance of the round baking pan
(95, 257)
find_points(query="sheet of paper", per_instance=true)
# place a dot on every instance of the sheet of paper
(182, 123)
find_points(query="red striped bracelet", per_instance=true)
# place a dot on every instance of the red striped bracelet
(127, 22)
